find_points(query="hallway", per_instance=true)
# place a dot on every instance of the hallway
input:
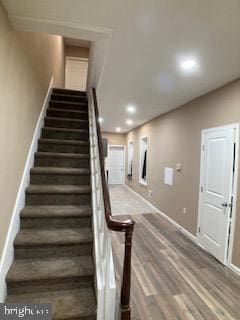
(172, 278)
(125, 201)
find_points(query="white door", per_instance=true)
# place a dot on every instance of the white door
(216, 190)
(116, 165)
(76, 73)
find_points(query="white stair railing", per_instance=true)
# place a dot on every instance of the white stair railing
(105, 284)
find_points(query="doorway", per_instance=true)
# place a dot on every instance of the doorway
(116, 164)
(76, 73)
(218, 190)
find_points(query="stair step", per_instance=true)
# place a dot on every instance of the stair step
(78, 304)
(56, 211)
(53, 243)
(58, 195)
(65, 134)
(56, 217)
(66, 123)
(70, 114)
(63, 146)
(39, 275)
(51, 175)
(79, 106)
(68, 97)
(68, 91)
(66, 160)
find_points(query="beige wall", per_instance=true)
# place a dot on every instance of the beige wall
(115, 138)
(79, 52)
(27, 63)
(175, 138)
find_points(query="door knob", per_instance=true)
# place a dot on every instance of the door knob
(224, 204)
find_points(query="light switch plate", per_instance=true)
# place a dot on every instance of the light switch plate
(168, 176)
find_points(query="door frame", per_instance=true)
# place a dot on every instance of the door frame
(73, 58)
(236, 127)
(124, 158)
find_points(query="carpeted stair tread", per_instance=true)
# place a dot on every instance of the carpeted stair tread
(62, 155)
(30, 237)
(67, 119)
(52, 268)
(68, 105)
(71, 92)
(66, 304)
(68, 142)
(56, 211)
(60, 171)
(67, 130)
(76, 112)
(57, 189)
(67, 96)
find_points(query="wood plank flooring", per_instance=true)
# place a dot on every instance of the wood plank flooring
(173, 278)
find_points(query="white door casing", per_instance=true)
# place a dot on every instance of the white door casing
(116, 164)
(76, 73)
(215, 202)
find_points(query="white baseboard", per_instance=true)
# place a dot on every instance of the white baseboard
(8, 251)
(187, 233)
(234, 268)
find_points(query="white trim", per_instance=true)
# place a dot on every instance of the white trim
(235, 193)
(140, 180)
(235, 126)
(8, 251)
(130, 142)
(187, 233)
(234, 268)
(124, 160)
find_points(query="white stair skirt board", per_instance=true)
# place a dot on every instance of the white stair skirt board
(231, 266)
(8, 251)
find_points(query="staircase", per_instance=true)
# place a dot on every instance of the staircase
(53, 249)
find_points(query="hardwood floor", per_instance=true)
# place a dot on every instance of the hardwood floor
(174, 279)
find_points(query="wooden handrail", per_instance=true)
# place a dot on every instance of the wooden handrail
(115, 225)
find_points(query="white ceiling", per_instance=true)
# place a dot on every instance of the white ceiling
(138, 44)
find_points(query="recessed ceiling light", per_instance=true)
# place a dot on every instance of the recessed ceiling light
(189, 65)
(129, 122)
(100, 119)
(131, 109)
(118, 129)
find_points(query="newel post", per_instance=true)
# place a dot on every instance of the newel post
(126, 281)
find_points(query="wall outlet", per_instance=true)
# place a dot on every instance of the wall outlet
(184, 210)
(150, 193)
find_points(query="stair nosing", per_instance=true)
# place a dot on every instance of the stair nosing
(63, 141)
(81, 273)
(31, 211)
(86, 239)
(70, 90)
(70, 102)
(67, 119)
(60, 171)
(68, 110)
(41, 154)
(68, 95)
(65, 130)
(52, 189)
